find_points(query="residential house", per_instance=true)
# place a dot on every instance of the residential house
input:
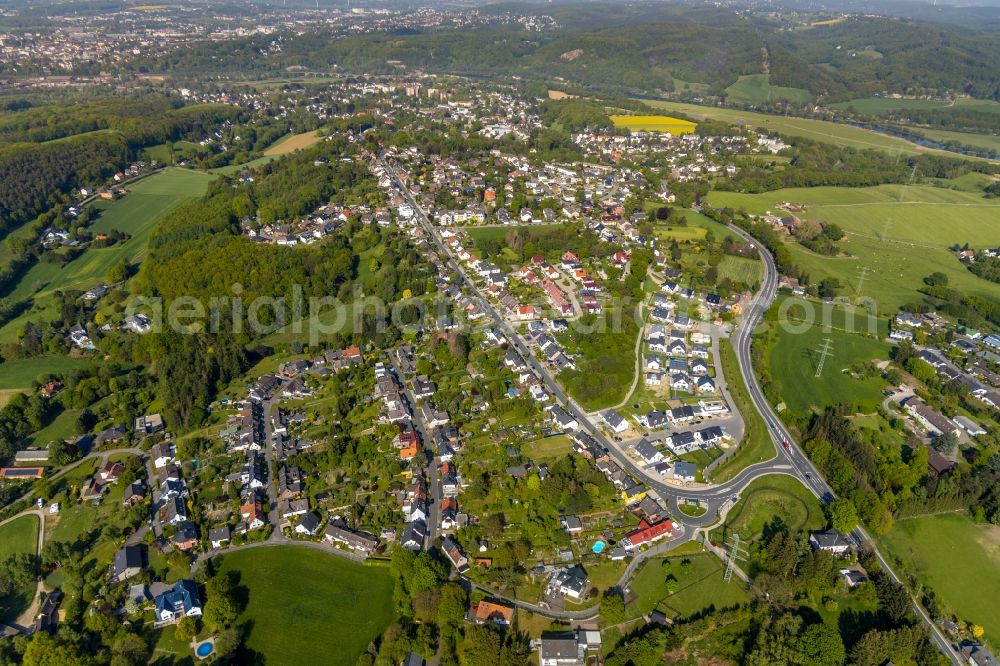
(178, 602)
(129, 561)
(830, 541)
(492, 611)
(219, 536)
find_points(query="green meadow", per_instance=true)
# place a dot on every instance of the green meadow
(896, 236)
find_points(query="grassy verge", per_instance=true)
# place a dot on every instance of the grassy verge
(756, 445)
(766, 499)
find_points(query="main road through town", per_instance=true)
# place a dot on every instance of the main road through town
(789, 458)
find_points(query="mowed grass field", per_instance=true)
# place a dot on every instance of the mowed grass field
(696, 228)
(757, 89)
(896, 236)
(956, 558)
(306, 606)
(655, 124)
(766, 499)
(135, 214)
(292, 142)
(817, 130)
(795, 358)
(20, 373)
(681, 590)
(18, 536)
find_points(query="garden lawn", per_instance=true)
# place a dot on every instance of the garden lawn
(548, 448)
(306, 606)
(956, 558)
(794, 360)
(62, 427)
(767, 498)
(17, 536)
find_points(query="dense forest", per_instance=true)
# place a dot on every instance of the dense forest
(103, 139)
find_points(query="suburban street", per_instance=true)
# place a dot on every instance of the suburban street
(789, 458)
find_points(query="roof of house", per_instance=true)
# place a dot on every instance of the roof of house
(184, 594)
(831, 538)
(496, 611)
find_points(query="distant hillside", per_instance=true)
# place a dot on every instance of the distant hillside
(644, 48)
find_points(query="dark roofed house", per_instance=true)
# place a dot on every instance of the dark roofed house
(178, 602)
(830, 541)
(308, 524)
(562, 649)
(129, 561)
(219, 536)
(337, 532)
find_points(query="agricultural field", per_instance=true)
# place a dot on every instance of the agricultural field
(337, 607)
(136, 214)
(956, 558)
(817, 130)
(769, 498)
(896, 232)
(655, 124)
(290, 143)
(987, 141)
(794, 360)
(757, 89)
(233, 169)
(876, 106)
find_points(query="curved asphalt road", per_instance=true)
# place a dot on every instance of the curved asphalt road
(789, 458)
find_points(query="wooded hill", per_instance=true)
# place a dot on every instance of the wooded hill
(644, 48)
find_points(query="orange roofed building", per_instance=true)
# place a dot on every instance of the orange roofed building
(491, 611)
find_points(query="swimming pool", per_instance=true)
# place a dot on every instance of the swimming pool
(205, 649)
(598, 547)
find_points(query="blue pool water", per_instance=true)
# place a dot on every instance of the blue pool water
(205, 649)
(598, 546)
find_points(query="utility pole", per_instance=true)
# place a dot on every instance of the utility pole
(862, 276)
(736, 553)
(885, 228)
(825, 350)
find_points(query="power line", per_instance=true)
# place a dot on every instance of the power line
(826, 349)
(862, 276)
(736, 553)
